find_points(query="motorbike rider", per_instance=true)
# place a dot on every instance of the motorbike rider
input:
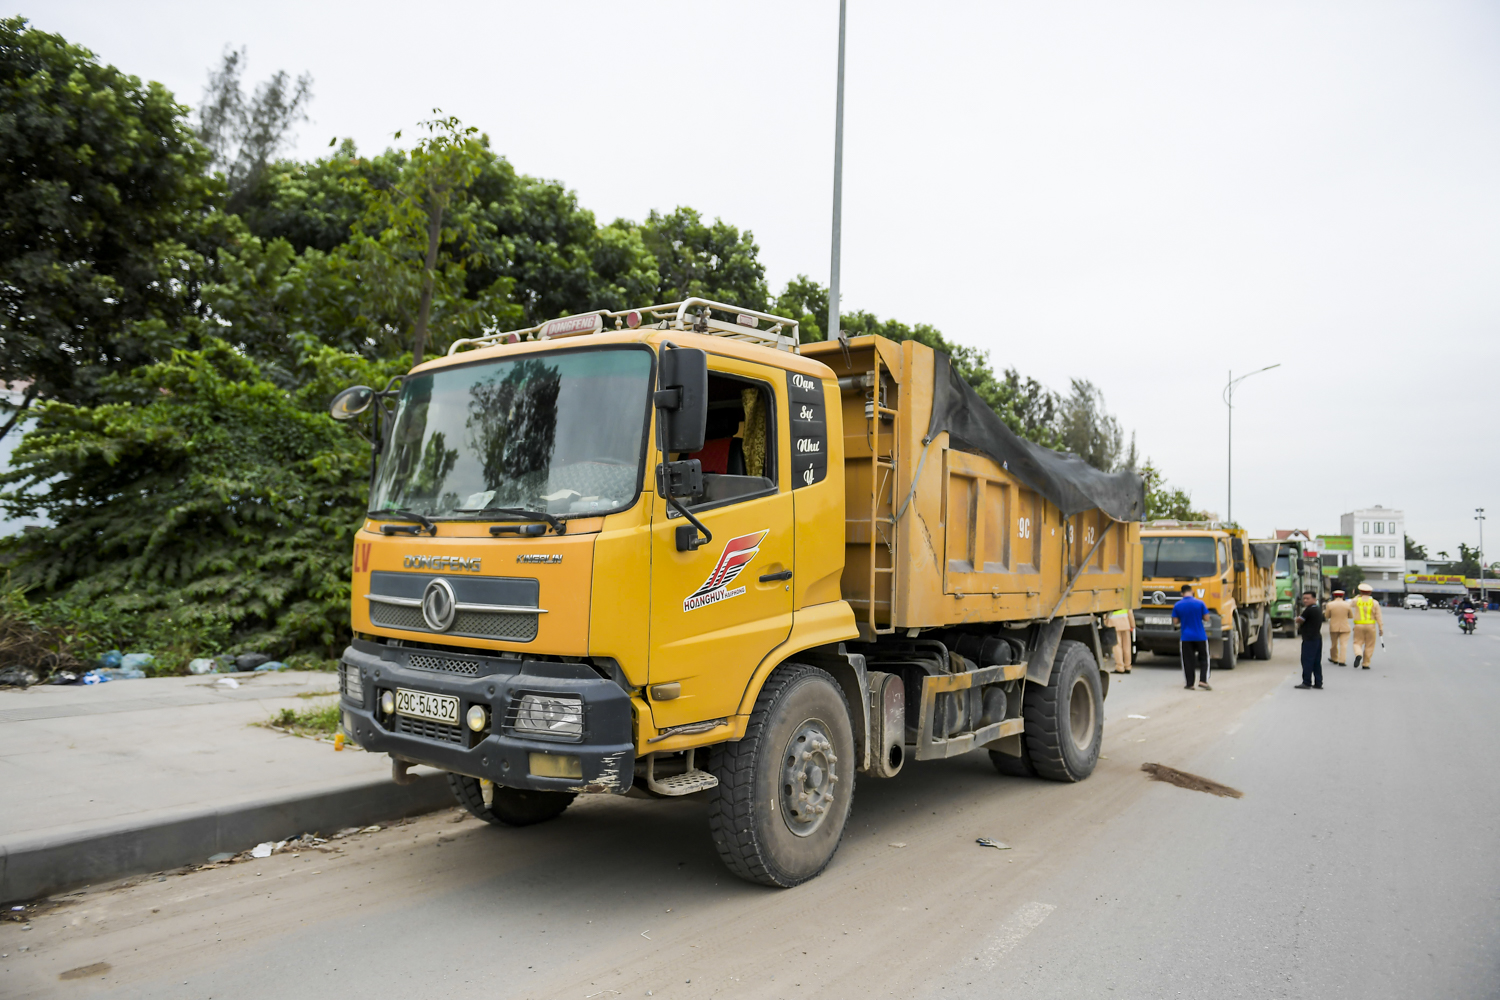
(1465, 604)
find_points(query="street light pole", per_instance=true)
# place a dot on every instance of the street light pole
(1479, 516)
(1229, 402)
(834, 332)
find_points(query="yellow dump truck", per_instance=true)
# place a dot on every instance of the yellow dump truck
(666, 551)
(1233, 576)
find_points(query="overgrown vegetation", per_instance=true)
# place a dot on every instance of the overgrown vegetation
(316, 721)
(180, 305)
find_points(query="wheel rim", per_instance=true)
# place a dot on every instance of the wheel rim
(1081, 714)
(808, 776)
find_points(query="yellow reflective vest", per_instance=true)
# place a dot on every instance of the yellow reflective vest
(1364, 611)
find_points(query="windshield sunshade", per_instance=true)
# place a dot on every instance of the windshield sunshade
(562, 433)
(1191, 557)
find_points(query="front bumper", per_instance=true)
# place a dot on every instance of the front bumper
(1166, 638)
(605, 752)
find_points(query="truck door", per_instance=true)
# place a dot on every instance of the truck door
(718, 610)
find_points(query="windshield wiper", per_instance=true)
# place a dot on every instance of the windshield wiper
(404, 515)
(521, 514)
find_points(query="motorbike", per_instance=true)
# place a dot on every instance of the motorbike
(1468, 621)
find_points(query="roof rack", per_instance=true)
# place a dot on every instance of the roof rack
(1172, 522)
(743, 324)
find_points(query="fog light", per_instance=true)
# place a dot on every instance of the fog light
(387, 702)
(556, 765)
(550, 716)
(477, 718)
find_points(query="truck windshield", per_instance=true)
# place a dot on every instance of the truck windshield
(563, 433)
(1283, 566)
(1179, 557)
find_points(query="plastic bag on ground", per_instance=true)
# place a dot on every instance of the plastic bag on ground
(64, 677)
(202, 665)
(96, 677)
(249, 661)
(21, 677)
(271, 665)
(125, 674)
(111, 659)
(136, 661)
(225, 662)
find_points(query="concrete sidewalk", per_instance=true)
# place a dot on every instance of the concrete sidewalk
(130, 776)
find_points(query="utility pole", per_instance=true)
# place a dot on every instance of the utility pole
(1479, 516)
(1229, 402)
(834, 331)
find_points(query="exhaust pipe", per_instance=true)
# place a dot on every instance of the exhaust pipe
(887, 726)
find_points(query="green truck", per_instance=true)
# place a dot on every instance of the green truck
(1296, 572)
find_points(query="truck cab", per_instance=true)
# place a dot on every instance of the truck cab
(1217, 563)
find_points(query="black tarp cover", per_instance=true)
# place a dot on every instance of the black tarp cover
(1265, 554)
(1069, 482)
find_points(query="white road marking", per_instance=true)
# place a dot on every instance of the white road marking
(1013, 931)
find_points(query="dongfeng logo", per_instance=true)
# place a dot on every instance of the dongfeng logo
(736, 556)
(1158, 598)
(439, 606)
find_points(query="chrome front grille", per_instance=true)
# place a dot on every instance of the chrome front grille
(422, 661)
(517, 627)
(428, 730)
(350, 685)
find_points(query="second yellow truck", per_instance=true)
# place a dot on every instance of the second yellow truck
(667, 551)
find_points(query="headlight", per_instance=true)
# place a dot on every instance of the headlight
(387, 703)
(477, 718)
(550, 715)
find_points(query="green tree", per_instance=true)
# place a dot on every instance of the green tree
(1413, 550)
(1350, 577)
(242, 133)
(206, 495)
(1090, 431)
(694, 258)
(107, 224)
(1166, 501)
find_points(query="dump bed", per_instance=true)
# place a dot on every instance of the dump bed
(952, 519)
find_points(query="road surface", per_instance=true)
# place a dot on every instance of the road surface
(1361, 862)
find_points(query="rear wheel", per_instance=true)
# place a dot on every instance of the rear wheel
(785, 789)
(1065, 717)
(508, 806)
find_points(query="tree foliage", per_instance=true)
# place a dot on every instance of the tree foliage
(106, 219)
(1166, 501)
(243, 134)
(1413, 550)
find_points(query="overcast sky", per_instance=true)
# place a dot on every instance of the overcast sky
(1146, 195)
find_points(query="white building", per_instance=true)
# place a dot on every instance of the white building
(1378, 538)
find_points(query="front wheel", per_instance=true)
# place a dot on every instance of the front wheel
(508, 806)
(785, 789)
(1231, 654)
(1262, 648)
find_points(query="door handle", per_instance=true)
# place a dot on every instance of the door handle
(785, 574)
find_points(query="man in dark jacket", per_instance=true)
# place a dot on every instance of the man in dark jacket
(1310, 627)
(1189, 613)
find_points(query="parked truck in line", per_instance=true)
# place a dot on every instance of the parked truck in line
(666, 551)
(1296, 573)
(1233, 576)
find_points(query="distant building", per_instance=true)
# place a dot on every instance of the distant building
(1378, 546)
(1334, 552)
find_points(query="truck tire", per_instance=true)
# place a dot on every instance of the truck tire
(1262, 647)
(1065, 717)
(1014, 767)
(1231, 655)
(508, 806)
(786, 787)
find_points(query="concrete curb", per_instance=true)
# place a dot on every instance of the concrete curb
(39, 864)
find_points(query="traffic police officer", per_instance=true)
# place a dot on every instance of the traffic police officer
(1340, 615)
(1368, 626)
(1124, 625)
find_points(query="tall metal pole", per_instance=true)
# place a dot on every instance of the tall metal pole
(1479, 516)
(834, 331)
(1229, 402)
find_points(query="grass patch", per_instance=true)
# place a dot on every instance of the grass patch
(317, 721)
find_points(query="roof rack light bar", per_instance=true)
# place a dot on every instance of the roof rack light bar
(744, 325)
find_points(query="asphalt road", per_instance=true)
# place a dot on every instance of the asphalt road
(1361, 862)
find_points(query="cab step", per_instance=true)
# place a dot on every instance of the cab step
(689, 781)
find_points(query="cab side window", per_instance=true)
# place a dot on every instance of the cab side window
(738, 456)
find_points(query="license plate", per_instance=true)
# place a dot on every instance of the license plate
(422, 705)
(1158, 619)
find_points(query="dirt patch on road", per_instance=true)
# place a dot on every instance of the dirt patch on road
(1192, 782)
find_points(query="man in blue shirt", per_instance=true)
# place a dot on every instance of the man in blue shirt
(1190, 613)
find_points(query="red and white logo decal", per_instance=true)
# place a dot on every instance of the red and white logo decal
(735, 557)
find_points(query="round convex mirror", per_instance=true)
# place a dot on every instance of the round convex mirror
(351, 402)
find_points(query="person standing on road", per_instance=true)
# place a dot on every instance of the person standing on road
(1193, 649)
(1368, 626)
(1310, 626)
(1340, 614)
(1124, 626)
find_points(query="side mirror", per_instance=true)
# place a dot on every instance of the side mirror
(351, 402)
(682, 399)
